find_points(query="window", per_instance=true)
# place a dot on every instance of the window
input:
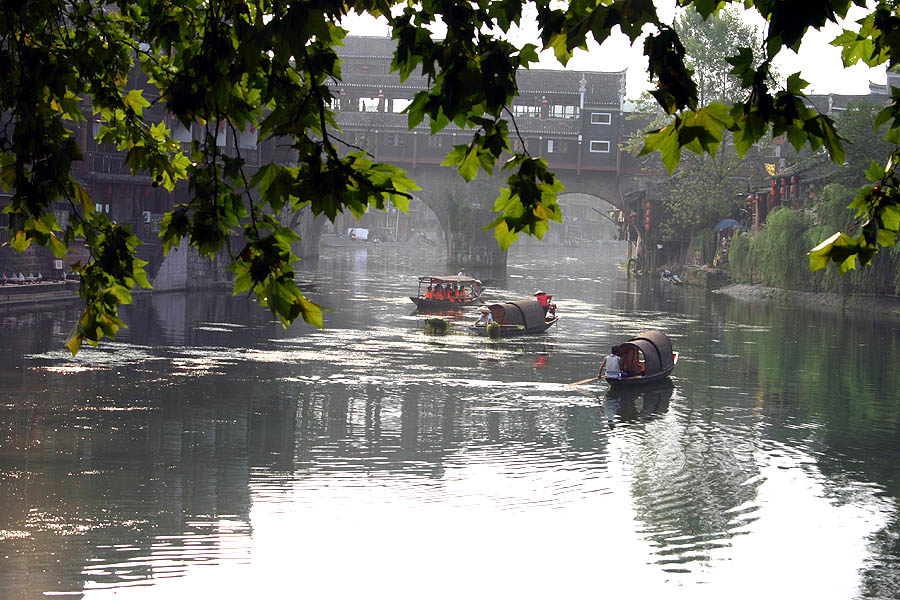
(395, 140)
(247, 139)
(558, 146)
(520, 110)
(599, 146)
(601, 118)
(400, 104)
(368, 104)
(561, 111)
(516, 145)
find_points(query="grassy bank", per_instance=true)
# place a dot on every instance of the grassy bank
(776, 256)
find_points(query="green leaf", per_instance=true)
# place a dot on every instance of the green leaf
(83, 198)
(504, 236)
(135, 101)
(840, 248)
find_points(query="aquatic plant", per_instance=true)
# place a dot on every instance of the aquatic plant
(436, 326)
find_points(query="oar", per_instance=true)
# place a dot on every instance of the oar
(584, 381)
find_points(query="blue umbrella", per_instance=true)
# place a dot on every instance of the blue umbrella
(725, 224)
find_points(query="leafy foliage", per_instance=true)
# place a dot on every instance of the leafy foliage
(232, 65)
(775, 255)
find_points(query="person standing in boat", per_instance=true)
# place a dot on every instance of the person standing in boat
(611, 366)
(544, 299)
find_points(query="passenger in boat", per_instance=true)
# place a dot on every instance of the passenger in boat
(544, 299)
(438, 292)
(486, 317)
(630, 361)
(460, 294)
(611, 365)
(429, 294)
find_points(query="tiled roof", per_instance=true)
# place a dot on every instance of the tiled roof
(358, 46)
(602, 88)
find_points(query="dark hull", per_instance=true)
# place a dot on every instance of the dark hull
(642, 379)
(425, 304)
(511, 330)
(638, 380)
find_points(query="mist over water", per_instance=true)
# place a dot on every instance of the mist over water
(208, 451)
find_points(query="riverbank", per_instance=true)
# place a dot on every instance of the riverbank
(38, 293)
(882, 306)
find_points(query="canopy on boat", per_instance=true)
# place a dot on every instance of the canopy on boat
(430, 279)
(657, 350)
(528, 313)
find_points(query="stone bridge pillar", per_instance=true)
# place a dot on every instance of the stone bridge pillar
(468, 245)
(309, 229)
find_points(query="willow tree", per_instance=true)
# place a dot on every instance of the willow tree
(268, 63)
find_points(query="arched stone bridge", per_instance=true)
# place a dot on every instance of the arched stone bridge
(573, 119)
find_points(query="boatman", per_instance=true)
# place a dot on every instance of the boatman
(486, 317)
(544, 299)
(611, 364)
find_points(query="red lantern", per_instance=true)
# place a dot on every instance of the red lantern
(647, 227)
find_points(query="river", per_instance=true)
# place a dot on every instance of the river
(208, 452)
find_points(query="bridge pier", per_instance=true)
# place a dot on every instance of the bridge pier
(469, 246)
(309, 229)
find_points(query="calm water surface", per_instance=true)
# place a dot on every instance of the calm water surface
(208, 452)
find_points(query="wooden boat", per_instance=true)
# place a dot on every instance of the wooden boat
(472, 287)
(516, 318)
(657, 356)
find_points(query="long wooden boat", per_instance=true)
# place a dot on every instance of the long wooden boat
(516, 318)
(472, 288)
(657, 356)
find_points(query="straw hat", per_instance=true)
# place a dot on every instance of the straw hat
(539, 292)
(484, 309)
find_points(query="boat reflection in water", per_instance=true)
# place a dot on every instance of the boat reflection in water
(642, 403)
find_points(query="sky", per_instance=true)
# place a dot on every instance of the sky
(818, 61)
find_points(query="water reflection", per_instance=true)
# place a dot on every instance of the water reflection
(638, 403)
(208, 448)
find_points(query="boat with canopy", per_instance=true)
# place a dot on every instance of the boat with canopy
(653, 353)
(515, 318)
(427, 297)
